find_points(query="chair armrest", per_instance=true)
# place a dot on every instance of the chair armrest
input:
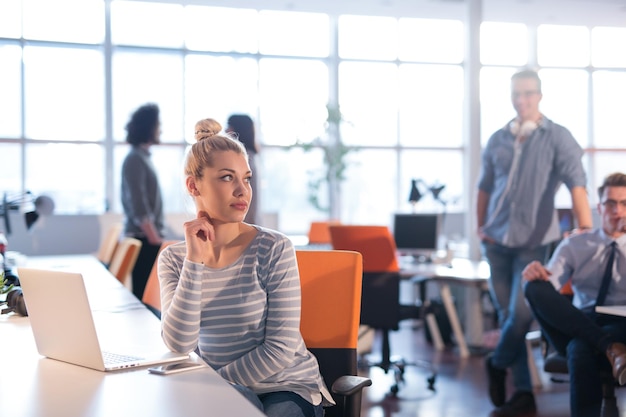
(348, 385)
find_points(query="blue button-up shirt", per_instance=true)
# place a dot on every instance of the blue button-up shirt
(582, 258)
(520, 212)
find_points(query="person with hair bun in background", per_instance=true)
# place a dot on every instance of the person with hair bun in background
(242, 127)
(231, 290)
(141, 193)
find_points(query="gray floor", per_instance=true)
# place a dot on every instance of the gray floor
(460, 388)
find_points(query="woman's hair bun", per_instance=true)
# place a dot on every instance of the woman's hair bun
(206, 128)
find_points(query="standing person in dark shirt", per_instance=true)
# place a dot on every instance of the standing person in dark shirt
(141, 194)
(242, 126)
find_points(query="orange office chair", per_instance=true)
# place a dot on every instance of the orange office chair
(319, 232)
(109, 243)
(124, 259)
(331, 300)
(380, 305)
(152, 293)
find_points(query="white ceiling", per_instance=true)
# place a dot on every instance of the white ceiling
(576, 12)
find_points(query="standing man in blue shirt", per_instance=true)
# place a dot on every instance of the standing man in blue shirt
(523, 165)
(575, 330)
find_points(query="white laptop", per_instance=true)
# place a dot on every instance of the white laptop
(64, 328)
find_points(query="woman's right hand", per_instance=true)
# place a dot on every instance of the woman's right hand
(199, 233)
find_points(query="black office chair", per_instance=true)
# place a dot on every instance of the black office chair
(380, 305)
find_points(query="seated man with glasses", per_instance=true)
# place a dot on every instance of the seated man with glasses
(595, 263)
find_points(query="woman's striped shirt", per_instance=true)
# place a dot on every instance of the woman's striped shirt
(243, 318)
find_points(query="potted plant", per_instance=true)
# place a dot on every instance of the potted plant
(6, 287)
(334, 163)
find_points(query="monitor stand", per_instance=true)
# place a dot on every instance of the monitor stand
(418, 258)
(422, 259)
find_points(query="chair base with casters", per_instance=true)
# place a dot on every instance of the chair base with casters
(397, 365)
(380, 307)
(379, 290)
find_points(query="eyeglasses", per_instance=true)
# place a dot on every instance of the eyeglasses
(525, 94)
(612, 204)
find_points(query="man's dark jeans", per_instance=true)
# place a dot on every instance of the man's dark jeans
(582, 336)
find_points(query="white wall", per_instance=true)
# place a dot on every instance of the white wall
(77, 234)
(59, 235)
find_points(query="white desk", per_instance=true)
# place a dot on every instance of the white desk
(614, 310)
(34, 386)
(473, 274)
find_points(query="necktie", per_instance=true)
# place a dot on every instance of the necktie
(606, 279)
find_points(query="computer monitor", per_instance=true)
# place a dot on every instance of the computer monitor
(417, 234)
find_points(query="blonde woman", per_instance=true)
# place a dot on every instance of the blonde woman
(231, 290)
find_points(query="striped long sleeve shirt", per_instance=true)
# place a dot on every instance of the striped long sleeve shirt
(244, 318)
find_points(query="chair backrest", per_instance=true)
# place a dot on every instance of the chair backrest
(124, 258)
(319, 232)
(375, 243)
(567, 289)
(331, 301)
(109, 243)
(380, 300)
(152, 293)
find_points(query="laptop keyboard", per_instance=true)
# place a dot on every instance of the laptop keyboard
(111, 358)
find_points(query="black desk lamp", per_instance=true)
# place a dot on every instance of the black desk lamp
(415, 194)
(436, 191)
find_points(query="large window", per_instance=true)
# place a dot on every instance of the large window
(63, 93)
(68, 86)
(582, 77)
